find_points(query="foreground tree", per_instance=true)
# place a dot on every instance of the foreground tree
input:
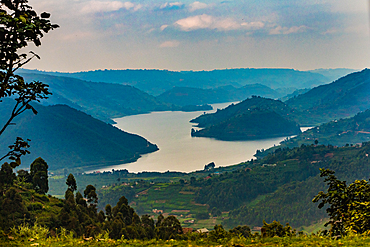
(39, 175)
(19, 26)
(348, 206)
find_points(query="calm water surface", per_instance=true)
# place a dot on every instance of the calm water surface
(178, 151)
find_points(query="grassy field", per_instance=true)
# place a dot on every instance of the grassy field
(173, 199)
(241, 242)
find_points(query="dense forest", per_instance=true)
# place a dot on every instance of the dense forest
(346, 131)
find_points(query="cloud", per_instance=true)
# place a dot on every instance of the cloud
(163, 27)
(215, 23)
(197, 5)
(285, 30)
(172, 6)
(101, 6)
(254, 25)
(170, 44)
(206, 22)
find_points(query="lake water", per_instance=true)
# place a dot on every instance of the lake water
(178, 151)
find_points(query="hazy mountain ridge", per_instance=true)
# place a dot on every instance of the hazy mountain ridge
(101, 100)
(68, 138)
(198, 96)
(156, 82)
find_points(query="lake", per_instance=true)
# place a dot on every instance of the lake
(178, 151)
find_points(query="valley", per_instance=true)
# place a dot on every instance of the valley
(133, 155)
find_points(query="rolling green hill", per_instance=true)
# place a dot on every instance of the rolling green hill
(342, 98)
(253, 125)
(348, 131)
(68, 138)
(254, 118)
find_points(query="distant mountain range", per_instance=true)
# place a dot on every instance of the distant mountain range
(101, 100)
(197, 96)
(156, 82)
(68, 138)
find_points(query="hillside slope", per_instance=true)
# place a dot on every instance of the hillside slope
(68, 138)
(354, 130)
(254, 118)
(101, 100)
(342, 98)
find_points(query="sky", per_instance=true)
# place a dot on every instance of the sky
(203, 35)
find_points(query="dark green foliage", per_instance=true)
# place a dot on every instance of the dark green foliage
(216, 212)
(202, 216)
(80, 200)
(290, 202)
(34, 206)
(276, 229)
(231, 190)
(348, 205)
(39, 175)
(90, 194)
(244, 231)
(71, 183)
(25, 176)
(148, 227)
(218, 234)
(12, 209)
(168, 228)
(7, 176)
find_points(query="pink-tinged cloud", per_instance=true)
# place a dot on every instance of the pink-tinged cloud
(197, 5)
(285, 30)
(163, 27)
(206, 22)
(170, 44)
